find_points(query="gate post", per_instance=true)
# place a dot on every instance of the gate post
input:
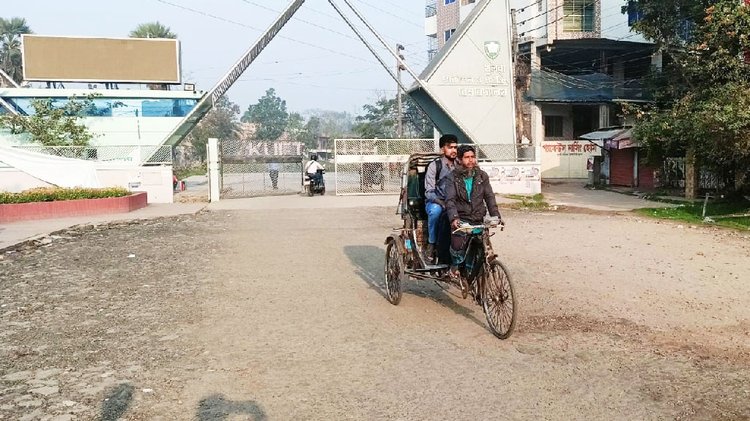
(212, 149)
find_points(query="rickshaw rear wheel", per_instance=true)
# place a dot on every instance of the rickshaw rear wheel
(498, 300)
(394, 273)
(310, 190)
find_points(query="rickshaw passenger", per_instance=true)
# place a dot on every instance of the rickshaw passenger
(434, 183)
(469, 198)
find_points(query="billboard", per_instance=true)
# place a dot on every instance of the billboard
(125, 60)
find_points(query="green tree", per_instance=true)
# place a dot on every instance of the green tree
(380, 120)
(269, 116)
(312, 132)
(295, 127)
(10, 46)
(152, 30)
(220, 123)
(702, 94)
(53, 122)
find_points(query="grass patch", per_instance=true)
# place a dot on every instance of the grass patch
(52, 194)
(535, 202)
(717, 210)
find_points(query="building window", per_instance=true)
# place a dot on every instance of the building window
(447, 2)
(579, 15)
(448, 34)
(553, 126)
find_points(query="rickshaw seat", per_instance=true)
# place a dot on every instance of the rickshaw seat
(416, 194)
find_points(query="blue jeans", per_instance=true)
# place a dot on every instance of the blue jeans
(433, 217)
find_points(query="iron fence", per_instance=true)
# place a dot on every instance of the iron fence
(373, 166)
(672, 175)
(132, 154)
(248, 170)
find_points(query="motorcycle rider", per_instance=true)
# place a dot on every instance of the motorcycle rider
(312, 167)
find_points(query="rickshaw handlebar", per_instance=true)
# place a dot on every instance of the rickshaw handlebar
(488, 223)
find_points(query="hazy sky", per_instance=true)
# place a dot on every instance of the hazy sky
(315, 62)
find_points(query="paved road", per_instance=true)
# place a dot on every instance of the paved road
(279, 314)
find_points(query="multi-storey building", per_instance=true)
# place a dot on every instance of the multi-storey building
(442, 19)
(577, 61)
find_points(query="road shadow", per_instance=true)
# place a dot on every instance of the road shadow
(369, 262)
(117, 402)
(218, 408)
(368, 266)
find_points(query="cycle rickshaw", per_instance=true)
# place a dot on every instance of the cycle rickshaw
(482, 276)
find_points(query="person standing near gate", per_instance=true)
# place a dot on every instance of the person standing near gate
(273, 172)
(435, 192)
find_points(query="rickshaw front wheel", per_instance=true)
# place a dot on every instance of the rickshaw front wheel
(394, 273)
(498, 300)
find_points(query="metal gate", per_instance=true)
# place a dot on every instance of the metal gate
(373, 166)
(254, 168)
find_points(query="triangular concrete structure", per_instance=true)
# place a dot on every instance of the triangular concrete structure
(468, 87)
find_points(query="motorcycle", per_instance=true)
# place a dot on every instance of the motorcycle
(315, 183)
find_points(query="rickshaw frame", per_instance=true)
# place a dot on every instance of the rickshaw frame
(405, 257)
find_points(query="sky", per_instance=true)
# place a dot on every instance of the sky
(316, 61)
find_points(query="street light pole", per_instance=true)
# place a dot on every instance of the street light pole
(399, 68)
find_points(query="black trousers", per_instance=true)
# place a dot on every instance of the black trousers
(444, 239)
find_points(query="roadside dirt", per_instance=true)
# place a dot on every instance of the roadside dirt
(280, 315)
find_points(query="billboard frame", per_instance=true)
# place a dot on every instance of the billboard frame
(177, 80)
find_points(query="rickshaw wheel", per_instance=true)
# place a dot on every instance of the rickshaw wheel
(498, 300)
(310, 190)
(323, 191)
(394, 272)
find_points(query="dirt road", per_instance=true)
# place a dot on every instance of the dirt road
(280, 315)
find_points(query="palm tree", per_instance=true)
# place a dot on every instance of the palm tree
(152, 30)
(10, 46)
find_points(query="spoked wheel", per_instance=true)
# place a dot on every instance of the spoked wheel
(310, 190)
(498, 300)
(394, 272)
(323, 191)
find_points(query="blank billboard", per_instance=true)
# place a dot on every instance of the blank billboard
(125, 60)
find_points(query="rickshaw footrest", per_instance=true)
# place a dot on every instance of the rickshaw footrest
(431, 268)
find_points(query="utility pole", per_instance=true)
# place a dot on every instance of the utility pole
(399, 68)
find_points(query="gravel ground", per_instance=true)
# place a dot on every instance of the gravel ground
(280, 315)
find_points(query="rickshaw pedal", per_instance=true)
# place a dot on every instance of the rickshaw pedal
(430, 268)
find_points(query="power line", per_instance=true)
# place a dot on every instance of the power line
(317, 25)
(256, 29)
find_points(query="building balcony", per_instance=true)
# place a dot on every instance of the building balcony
(430, 9)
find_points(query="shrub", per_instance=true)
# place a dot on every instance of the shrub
(51, 194)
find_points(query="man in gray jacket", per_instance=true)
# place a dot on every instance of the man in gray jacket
(435, 189)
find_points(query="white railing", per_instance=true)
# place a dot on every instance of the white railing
(131, 154)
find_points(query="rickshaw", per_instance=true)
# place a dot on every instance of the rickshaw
(483, 276)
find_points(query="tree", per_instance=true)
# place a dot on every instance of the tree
(380, 120)
(152, 30)
(220, 123)
(332, 123)
(702, 94)
(10, 46)
(269, 116)
(53, 123)
(295, 127)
